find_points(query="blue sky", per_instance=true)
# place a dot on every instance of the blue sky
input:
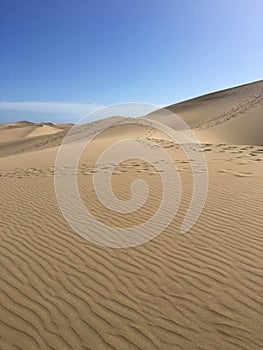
(61, 59)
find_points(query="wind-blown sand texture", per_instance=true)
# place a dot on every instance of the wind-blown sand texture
(232, 116)
(201, 290)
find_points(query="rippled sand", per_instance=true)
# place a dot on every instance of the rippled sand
(200, 290)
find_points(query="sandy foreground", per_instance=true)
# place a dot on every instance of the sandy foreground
(199, 290)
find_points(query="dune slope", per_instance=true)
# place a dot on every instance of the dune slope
(233, 116)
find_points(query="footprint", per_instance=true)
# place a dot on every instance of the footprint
(243, 174)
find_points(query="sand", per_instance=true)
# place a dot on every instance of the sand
(201, 290)
(232, 116)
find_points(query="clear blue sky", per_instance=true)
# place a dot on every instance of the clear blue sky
(59, 59)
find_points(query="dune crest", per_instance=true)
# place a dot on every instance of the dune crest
(233, 116)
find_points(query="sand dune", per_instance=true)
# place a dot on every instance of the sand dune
(23, 137)
(43, 130)
(19, 131)
(233, 116)
(201, 290)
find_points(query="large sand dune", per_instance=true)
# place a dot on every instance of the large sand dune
(233, 116)
(201, 290)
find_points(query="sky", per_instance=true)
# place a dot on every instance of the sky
(61, 60)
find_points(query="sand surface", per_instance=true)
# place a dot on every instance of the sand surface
(201, 290)
(232, 116)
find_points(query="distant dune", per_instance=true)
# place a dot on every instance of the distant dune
(201, 290)
(22, 137)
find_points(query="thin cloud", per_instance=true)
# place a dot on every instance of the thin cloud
(50, 107)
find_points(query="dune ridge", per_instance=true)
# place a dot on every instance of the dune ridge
(233, 116)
